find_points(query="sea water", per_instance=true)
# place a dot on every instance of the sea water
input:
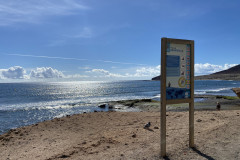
(23, 104)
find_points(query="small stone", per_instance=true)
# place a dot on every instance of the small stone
(199, 120)
(156, 127)
(134, 135)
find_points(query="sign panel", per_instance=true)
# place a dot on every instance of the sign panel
(178, 71)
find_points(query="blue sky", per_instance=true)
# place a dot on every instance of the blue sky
(112, 39)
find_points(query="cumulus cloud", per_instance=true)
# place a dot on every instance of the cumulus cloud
(104, 73)
(147, 71)
(206, 68)
(46, 72)
(15, 72)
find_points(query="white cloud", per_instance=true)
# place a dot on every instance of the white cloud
(32, 11)
(104, 73)
(15, 72)
(84, 68)
(46, 72)
(147, 71)
(202, 69)
(141, 72)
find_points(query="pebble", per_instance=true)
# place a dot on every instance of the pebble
(134, 135)
(199, 120)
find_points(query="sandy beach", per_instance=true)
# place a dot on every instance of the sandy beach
(121, 135)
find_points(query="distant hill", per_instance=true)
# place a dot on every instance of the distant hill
(232, 73)
(156, 78)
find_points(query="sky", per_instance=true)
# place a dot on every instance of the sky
(45, 40)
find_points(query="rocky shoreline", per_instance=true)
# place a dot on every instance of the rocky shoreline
(203, 102)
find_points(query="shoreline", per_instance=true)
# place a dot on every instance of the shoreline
(121, 135)
(206, 102)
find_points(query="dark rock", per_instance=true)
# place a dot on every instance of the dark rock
(146, 100)
(199, 120)
(102, 106)
(131, 105)
(156, 128)
(134, 135)
(64, 156)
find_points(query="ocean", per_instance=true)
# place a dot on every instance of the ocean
(23, 104)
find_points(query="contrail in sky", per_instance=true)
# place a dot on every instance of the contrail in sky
(66, 58)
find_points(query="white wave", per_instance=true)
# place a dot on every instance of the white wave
(219, 89)
(212, 90)
(200, 92)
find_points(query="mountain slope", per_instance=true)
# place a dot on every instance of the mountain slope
(232, 73)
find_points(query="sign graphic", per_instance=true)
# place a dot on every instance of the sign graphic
(178, 71)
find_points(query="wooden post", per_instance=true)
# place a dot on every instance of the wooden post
(191, 124)
(163, 98)
(191, 105)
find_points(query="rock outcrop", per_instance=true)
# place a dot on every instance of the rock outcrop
(237, 91)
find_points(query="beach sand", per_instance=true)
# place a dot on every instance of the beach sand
(121, 135)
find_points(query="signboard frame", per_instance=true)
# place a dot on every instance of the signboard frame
(165, 101)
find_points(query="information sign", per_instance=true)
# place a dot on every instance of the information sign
(177, 81)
